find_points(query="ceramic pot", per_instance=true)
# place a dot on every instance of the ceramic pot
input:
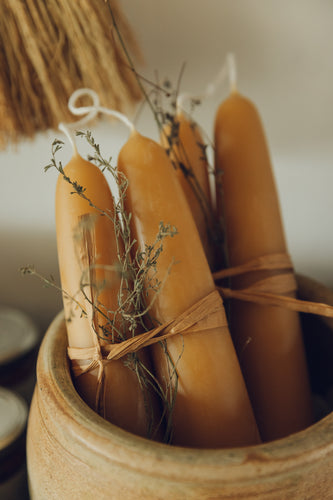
(75, 454)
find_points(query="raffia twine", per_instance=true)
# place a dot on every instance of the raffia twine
(203, 315)
(50, 48)
(271, 290)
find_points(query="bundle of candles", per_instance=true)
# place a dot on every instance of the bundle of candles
(151, 346)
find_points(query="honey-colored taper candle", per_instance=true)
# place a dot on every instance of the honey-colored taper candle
(187, 152)
(124, 398)
(212, 407)
(268, 339)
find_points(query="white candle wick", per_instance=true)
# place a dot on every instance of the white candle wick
(90, 111)
(95, 107)
(228, 71)
(69, 134)
(232, 72)
(181, 100)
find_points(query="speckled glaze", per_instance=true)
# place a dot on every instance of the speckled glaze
(75, 454)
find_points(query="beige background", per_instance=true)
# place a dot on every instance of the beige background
(284, 56)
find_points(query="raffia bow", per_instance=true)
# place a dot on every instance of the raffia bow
(207, 313)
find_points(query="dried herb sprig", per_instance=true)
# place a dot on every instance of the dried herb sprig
(51, 283)
(138, 273)
(153, 97)
(162, 100)
(138, 276)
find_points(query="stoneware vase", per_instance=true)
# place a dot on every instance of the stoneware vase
(73, 453)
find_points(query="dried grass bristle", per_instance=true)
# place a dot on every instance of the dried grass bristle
(50, 48)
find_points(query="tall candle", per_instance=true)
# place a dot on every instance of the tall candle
(125, 400)
(212, 408)
(268, 339)
(187, 152)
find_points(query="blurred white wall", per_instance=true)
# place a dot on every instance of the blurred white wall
(284, 55)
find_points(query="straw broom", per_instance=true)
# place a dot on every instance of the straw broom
(48, 49)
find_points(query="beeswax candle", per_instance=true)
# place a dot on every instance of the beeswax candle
(187, 152)
(268, 339)
(212, 408)
(125, 400)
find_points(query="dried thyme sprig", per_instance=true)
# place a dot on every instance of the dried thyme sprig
(138, 277)
(51, 283)
(138, 273)
(131, 64)
(155, 98)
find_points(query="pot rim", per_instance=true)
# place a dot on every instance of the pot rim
(99, 443)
